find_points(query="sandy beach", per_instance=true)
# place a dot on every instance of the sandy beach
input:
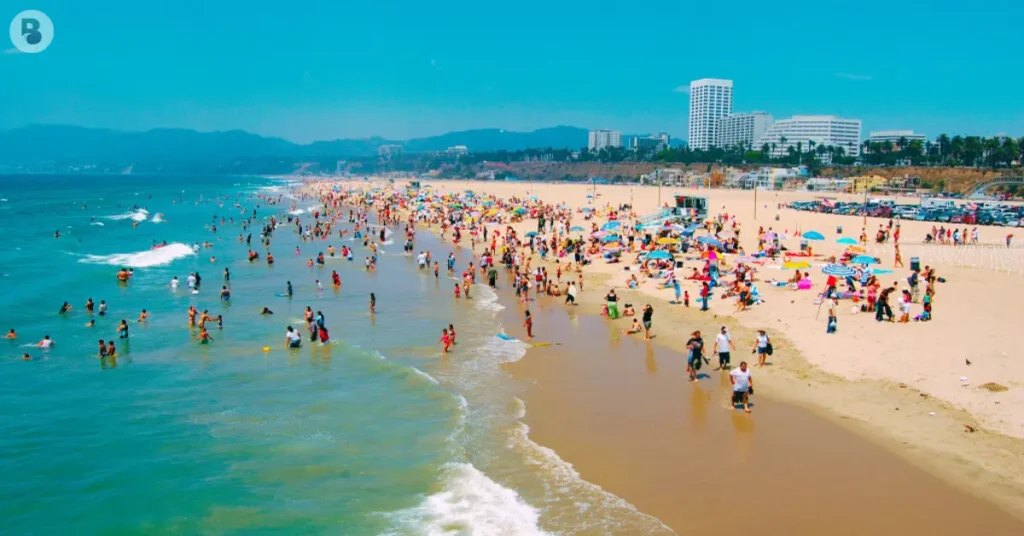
(906, 390)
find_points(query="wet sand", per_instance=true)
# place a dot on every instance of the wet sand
(623, 413)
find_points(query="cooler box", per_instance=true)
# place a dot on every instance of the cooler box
(915, 263)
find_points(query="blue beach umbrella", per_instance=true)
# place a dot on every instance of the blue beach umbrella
(659, 255)
(611, 226)
(610, 238)
(531, 234)
(813, 235)
(839, 270)
(710, 240)
(863, 259)
(846, 241)
(576, 229)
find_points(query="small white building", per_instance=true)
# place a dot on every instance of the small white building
(769, 178)
(458, 150)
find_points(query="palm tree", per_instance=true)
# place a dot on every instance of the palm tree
(943, 145)
(773, 149)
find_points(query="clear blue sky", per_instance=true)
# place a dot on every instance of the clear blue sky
(327, 69)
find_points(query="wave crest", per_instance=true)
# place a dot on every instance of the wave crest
(143, 259)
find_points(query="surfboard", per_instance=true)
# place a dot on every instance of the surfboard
(541, 344)
(504, 337)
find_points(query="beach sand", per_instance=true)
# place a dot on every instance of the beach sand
(898, 386)
(624, 413)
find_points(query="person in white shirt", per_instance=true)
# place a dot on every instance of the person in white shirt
(421, 260)
(723, 344)
(292, 338)
(191, 281)
(174, 282)
(742, 386)
(47, 342)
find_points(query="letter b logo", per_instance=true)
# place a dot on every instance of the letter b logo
(31, 31)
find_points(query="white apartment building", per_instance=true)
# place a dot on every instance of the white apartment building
(735, 129)
(710, 100)
(893, 136)
(599, 139)
(658, 142)
(458, 150)
(821, 129)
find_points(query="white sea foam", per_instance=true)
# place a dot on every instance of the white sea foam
(427, 376)
(143, 259)
(136, 215)
(159, 218)
(99, 223)
(470, 503)
(487, 299)
(297, 212)
(563, 479)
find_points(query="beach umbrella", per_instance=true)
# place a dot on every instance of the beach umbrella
(610, 238)
(587, 209)
(846, 241)
(531, 234)
(611, 226)
(667, 240)
(709, 240)
(880, 271)
(659, 255)
(576, 229)
(589, 196)
(813, 235)
(863, 259)
(796, 265)
(838, 270)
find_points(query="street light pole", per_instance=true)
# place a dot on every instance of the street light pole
(755, 199)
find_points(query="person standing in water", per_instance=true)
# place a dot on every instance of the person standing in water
(742, 386)
(528, 324)
(373, 303)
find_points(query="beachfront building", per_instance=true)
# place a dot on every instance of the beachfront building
(868, 183)
(828, 184)
(658, 142)
(600, 139)
(824, 130)
(389, 150)
(772, 178)
(710, 100)
(742, 129)
(893, 137)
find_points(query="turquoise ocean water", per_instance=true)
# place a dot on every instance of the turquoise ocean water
(372, 434)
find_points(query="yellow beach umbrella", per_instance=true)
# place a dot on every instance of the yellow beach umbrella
(796, 265)
(667, 240)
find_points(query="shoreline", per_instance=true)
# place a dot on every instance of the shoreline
(974, 461)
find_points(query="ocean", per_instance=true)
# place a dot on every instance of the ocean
(374, 433)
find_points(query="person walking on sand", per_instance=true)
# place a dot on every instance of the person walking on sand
(832, 321)
(613, 304)
(705, 296)
(570, 293)
(696, 354)
(723, 343)
(898, 263)
(648, 312)
(763, 347)
(528, 324)
(742, 386)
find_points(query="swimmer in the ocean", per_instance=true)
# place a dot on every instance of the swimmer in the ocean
(91, 323)
(143, 316)
(225, 294)
(174, 282)
(266, 311)
(47, 342)
(103, 308)
(64, 308)
(204, 337)
(11, 334)
(102, 349)
(122, 330)
(289, 292)
(89, 306)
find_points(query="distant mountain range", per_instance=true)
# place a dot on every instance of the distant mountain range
(67, 145)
